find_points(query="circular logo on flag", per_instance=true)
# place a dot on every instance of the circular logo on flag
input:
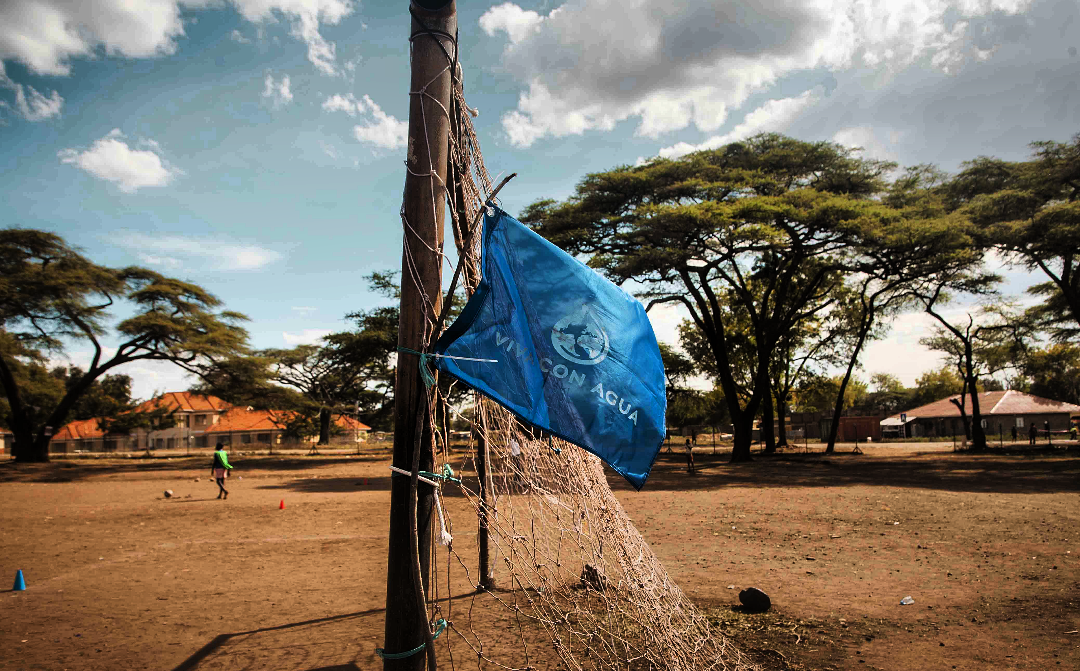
(580, 338)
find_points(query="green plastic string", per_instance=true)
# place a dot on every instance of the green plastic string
(425, 371)
(551, 444)
(440, 625)
(446, 474)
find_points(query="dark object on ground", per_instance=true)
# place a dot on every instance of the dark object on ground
(754, 600)
(592, 577)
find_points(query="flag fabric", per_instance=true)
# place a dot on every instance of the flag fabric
(576, 355)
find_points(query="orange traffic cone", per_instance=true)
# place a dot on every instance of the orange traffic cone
(282, 506)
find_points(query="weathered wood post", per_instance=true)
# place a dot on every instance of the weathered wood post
(434, 24)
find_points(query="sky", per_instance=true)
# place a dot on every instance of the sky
(256, 147)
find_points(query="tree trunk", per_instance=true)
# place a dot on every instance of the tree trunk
(26, 449)
(781, 415)
(767, 435)
(978, 434)
(839, 408)
(324, 426)
(743, 427)
(961, 403)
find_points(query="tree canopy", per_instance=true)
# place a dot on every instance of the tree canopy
(1031, 212)
(51, 295)
(764, 228)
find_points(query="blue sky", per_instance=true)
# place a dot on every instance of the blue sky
(256, 146)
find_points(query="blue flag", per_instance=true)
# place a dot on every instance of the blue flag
(576, 355)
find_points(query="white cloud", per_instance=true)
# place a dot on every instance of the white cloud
(47, 34)
(278, 92)
(378, 128)
(305, 337)
(237, 36)
(516, 22)
(773, 116)
(112, 160)
(868, 139)
(343, 103)
(32, 107)
(304, 310)
(383, 130)
(173, 252)
(589, 64)
(305, 18)
(148, 378)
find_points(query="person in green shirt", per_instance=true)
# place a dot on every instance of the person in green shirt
(220, 468)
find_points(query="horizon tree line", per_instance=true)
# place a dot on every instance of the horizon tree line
(788, 256)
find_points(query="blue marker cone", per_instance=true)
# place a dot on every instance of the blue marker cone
(20, 584)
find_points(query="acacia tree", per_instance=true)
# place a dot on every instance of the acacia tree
(934, 385)
(770, 210)
(923, 245)
(978, 349)
(797, 354)
(334, 376)
(51, 295)
(1054, 372)
(810, 343)
(887, 396)
(1031, 211)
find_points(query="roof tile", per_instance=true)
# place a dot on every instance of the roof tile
(185, 401)
(994, 403)
(82, 429)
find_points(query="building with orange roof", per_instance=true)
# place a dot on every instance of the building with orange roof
(85, 435)
(246, 426)
(194, 414)
(1000, 410)
(200, 422)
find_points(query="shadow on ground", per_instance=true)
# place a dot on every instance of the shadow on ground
(343, 642)
(313, 649)
(1010, 470)
(62, 470)
(1017, 472)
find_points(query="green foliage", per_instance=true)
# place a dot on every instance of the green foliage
(754, 239)
(934, 385)
(887, 396)
(246, 380)
(819, 394)
(1031, 212)
(39, 390)
(686, 406)
(1054, 373)
(126, 419)
(677, 366)
(107, 396)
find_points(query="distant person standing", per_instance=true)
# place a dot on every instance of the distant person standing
(690, 458)
(1033, 433)
(1014, 433)
(220, 468)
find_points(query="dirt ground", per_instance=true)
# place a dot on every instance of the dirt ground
(119, 577)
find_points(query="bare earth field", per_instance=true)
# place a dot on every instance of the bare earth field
(121, 578)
